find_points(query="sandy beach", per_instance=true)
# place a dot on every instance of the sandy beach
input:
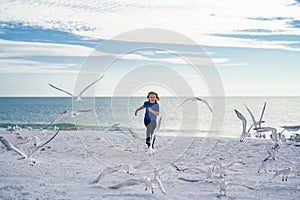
(67, 166)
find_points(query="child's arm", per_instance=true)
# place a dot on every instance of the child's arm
(137, 110)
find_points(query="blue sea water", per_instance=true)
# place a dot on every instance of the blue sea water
(107, 110)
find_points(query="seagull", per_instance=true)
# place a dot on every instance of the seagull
(128, 168)
(271, 156)
(244, 124)
(209, 172)
(198, 99)
(13, 129)
(284, 172)
(290, 128)
(78, 97)
(274, 136)
(221, 165)
(224, 186)
(106, 171)
(148, 182)
(256, 124)
(67, 113)
(29, 156)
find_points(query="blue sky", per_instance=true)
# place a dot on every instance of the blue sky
(255, 50)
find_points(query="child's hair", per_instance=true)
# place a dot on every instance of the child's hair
(152, 92)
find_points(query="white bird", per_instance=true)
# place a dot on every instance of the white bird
(209, 172)
(284, 172)
(244, 125)
(274, 135)
(79, 96)
(148, 182)
(224, 185)
(221, 165)
(290, 128)
(31, 153)
(256, 124)
(198, 99)
(128, 168)
(106, 171)
(67, 113)
(271, 156)
(13, 128)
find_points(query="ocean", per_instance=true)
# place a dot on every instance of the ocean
(39, 111)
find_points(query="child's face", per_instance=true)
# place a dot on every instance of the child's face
(152, 98)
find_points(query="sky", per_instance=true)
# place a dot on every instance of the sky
(254, 46)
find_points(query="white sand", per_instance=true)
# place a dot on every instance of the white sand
(65, 170)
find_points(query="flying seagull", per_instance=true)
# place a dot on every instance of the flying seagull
(198, 99)
(106, 171)
(79, 96)
(256, 124)
(148, 182)
(29, 156)
(224, 186)
(67, 113)
(271, 156)
(274, 136)
(290, 128)
(209, 172)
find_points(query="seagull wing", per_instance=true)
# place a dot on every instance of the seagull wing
(244, 121)
(108, 170)
(60, 117)
(197, 169)
(204, 101)
(188, 99)
(45, 143)
(160, 185)
(235, 163)
(143, 165)
(242, 118)
(240, 185)
(61, 90)
(189, 180)
(262, 114)
(291, 128)
(10, 146)
(82, 110)
(110, 127)
(178, 168)
(87, 87)
(252, 116)
(129, 182)
(133, 134)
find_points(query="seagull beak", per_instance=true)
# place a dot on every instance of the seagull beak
(19, 158)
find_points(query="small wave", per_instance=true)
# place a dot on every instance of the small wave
(62, 126)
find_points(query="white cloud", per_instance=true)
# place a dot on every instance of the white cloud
(17, 48)
(27, 66)
(194, 18)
